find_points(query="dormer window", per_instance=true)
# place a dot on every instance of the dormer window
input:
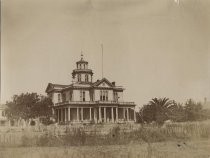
(80, 66)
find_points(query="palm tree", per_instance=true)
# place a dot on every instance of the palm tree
(163, 108)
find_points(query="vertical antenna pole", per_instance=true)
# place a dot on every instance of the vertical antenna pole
(102, 63)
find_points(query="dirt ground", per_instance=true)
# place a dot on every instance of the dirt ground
(178, 149)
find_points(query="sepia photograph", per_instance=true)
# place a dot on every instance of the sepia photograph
(105, 79)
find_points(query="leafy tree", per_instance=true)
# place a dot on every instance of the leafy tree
(177, 112)
(162, 109)
(193, 110)
(146, 114)
(29, 105)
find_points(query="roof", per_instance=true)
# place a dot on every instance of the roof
(82, 71)
(98, 82)
(58, 87)
(81, 61)
(111, 85)
(52, 86)
(78, 85)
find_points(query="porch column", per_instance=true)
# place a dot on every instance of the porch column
(58, 115)
(116, 114)
(134, 114)
(69, 118)
(124, 113)
(104, 114)
(90, 115)
(53, 111)
(65, 114)
(61, 115)
(127, 114)
(112, 115)
(95, 114)
(81, 114)
(77, 114)
(99, 114)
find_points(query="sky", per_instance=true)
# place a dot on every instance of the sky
(153, 48)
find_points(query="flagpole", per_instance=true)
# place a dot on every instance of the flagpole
(102, 63)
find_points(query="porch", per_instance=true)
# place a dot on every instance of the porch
(91, 114)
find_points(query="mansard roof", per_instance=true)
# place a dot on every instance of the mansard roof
(58, 87)
(80, 85)
(52, 86)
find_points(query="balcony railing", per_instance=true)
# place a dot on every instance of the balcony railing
(115, 102)
(94, 103)
(74, 102)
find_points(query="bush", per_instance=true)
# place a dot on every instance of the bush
(46, 121)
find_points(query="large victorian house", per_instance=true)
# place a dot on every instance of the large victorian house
(85, 101)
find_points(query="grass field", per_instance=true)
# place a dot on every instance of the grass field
(176, 149)
(187, 140)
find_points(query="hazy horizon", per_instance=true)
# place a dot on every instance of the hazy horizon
(151, 48)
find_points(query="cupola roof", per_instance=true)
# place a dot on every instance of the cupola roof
(82, 60)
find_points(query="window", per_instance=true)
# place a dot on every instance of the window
(82, 95)
(64, 97)
(80, 66)
(3, 113)
(100, 95)
(70, 95)
(115, 96)
(59, 98)
(104, 95)
(79, 77)
(86, 78)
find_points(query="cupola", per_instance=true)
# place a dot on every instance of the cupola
(82, 74)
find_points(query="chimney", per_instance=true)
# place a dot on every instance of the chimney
(113, 83)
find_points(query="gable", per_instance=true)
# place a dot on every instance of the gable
(103, 83)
